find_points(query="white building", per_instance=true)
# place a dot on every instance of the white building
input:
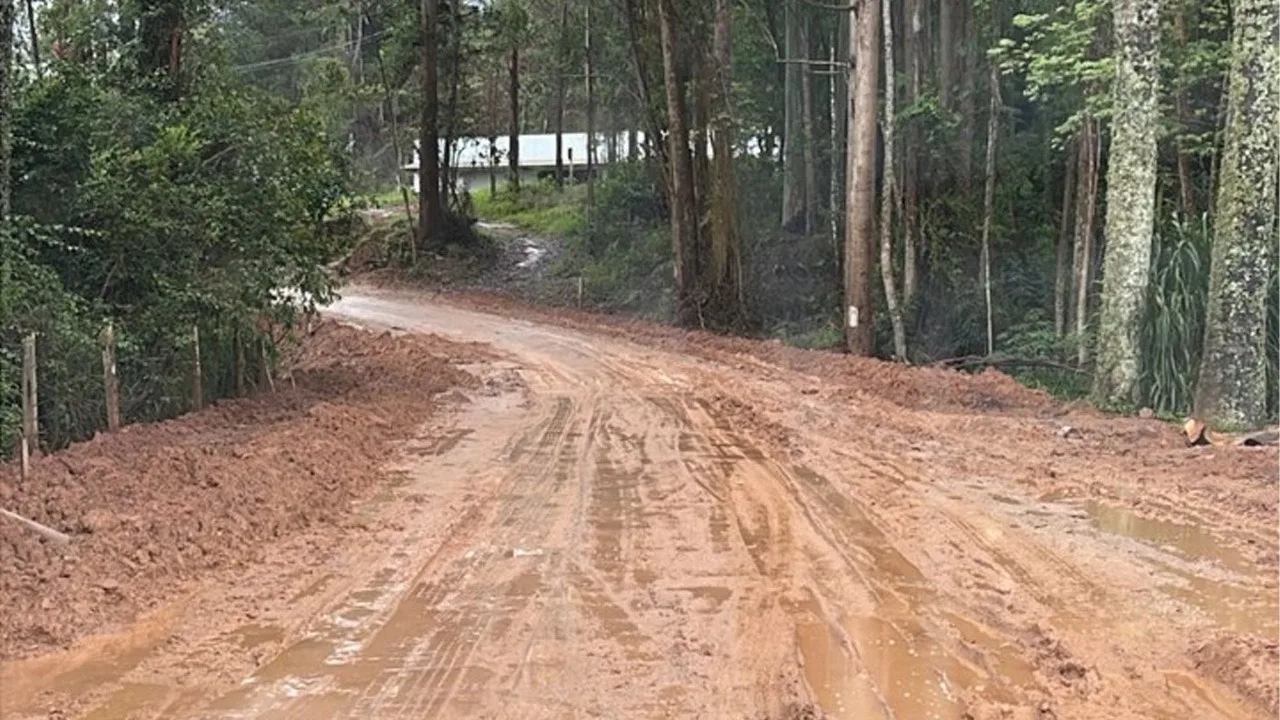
(472, 157)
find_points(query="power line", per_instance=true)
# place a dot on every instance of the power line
(308, 54)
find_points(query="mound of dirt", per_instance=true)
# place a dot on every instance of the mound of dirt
(1247, 664)
(151, 507)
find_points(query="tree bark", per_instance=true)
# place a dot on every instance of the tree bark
(1062, 267)
(429, 215)
(725, 305)
(989, 200)
(1082, 252)
(886, 193)
(911, 162)
(1131, 201)
(793, 144)
(860, 235)
(946, 51)
(6, 132)
(681, 200)
(1231, 392)
(513, 152)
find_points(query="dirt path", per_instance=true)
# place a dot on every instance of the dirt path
(642, 533)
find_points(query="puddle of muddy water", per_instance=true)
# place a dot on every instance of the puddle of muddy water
(1189, 541)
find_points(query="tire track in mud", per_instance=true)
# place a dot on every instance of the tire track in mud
(641, 556)
(885, 658)
(410, 658)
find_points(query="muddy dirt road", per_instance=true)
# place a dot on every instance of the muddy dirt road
(630, 532)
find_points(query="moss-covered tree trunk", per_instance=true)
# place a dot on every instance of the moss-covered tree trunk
(1131, 200)
(1232, 390)
(6, 151)
(6, 140)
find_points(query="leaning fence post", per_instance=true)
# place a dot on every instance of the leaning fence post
(110, 383)
(30, 404)
(197, 384)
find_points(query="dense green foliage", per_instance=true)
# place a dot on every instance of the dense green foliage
(160, 191)
(158, 214)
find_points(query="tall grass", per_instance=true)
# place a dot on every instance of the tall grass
(1173, 334)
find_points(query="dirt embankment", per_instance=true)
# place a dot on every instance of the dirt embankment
(152, 507)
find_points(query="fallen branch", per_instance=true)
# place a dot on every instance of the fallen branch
(48, 532)
(972, 361)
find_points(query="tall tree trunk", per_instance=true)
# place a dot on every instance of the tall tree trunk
(886, 193)
(793, 144)
(834, 149)
(494, 97)
(591, 113)
(725, 267)
(561, 64)
(912, 46)
(35, 38)
(6, 153)
(860, 236)
(429, 215)
(513, 150)
(810, 156)
(1232, 390)
(946, 51)
(1082, 252)
(637, 34)
(6, 135)
(1062, 267)
(1131, 200)
(989, 200)
(965, 92)
(449, 171)
(842, 53)
(681, 200)
(1182, 103)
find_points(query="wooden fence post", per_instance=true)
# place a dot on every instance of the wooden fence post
(238, 341)
(30, 405)
(110, 383)
(197, 382)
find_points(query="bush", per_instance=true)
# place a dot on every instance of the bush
(157, 216)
